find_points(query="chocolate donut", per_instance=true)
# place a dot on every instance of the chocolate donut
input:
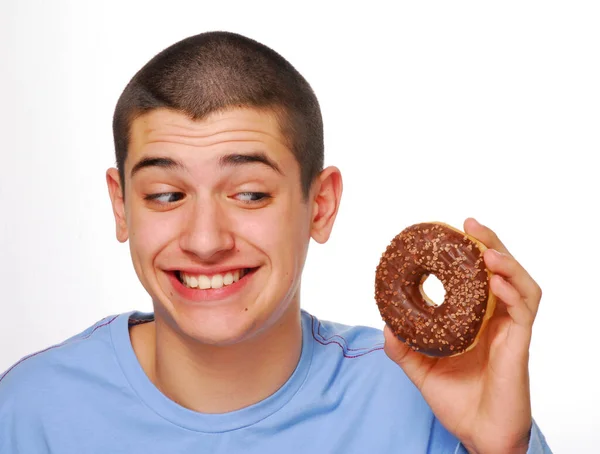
(456, 259)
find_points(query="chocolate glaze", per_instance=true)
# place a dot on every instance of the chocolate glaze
(421, 250)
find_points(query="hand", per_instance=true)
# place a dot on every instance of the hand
(482, 396)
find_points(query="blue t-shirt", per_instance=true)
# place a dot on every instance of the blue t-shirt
(90, 395)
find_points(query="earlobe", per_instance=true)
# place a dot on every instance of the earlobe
(115, 192)
(326, 203)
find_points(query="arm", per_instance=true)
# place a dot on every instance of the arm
(537, 443)
(482, 396)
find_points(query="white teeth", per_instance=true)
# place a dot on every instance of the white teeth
(216, 281)
(203, 282)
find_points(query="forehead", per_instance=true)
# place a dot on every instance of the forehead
(239, 125)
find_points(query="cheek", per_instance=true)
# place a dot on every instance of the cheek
(282, 233)
(151, 231)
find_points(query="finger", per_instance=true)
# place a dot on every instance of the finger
(510, 269)
(415, 365)
(516, 306)
(485, 235)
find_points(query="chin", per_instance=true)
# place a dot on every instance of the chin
(219, 327)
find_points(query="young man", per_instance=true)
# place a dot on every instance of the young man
(219, 187)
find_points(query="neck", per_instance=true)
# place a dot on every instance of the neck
(220, 379)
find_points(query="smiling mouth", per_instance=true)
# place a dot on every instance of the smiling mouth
(214, 281)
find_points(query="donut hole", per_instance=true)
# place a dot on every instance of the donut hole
(432, 290)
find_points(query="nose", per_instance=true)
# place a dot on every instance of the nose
(206, 232)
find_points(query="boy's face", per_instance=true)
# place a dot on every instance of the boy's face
(216, 220)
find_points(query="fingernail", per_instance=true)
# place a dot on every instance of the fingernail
(500, 279)
(496, 253)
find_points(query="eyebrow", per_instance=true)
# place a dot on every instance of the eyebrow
(234, 159)
(238, 159)
(165, 163)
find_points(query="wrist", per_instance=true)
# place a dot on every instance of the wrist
(516, 450)
(520, 445)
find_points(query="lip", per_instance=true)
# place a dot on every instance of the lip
(206, 271)
(212, 294)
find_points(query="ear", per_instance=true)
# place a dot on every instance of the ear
(326, 201)
(115, 191)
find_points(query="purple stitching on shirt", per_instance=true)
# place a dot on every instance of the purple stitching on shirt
(345, 341)
(332, 341)
(55, 346)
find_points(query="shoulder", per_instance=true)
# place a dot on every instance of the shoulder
(351, 368)
(356, 351)
(348, 341)
(34, 375)
(39, 390)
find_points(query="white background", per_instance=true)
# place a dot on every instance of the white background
(432, 110)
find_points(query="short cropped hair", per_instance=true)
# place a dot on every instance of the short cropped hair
(218, 70)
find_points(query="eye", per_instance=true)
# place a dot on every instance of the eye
(251, 197)
(165, 197)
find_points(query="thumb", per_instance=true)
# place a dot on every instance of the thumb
(415, 365)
